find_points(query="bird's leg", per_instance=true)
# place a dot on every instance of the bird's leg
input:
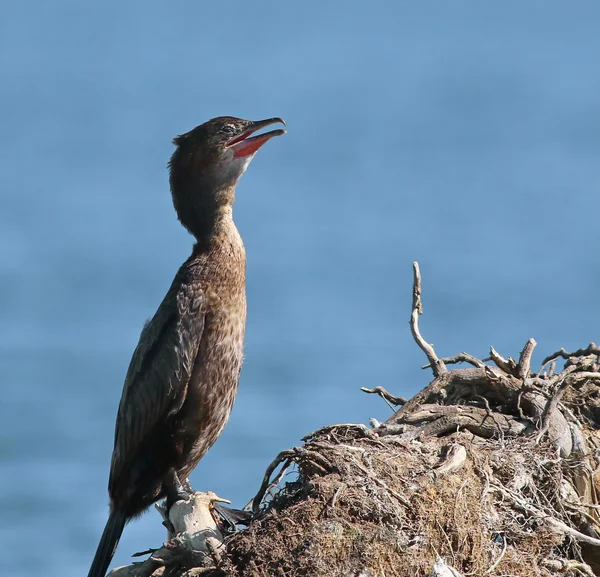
(185, 483)
(175, 490)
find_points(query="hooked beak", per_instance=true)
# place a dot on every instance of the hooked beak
(245, 145)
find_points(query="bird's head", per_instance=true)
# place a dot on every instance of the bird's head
(210, 159)
(216, 153)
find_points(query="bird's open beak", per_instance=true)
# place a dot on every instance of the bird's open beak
(244, 144)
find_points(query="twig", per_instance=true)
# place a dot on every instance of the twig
(435, 390)
(568, 565)
(525, 359)
(283, 456)
(336, 495)
(330, 505)
(499, 558)
(357, 427)
(280, 475)
(315, 458)
(522, 415)
(584, 375)
(507, 365)
(382, 484)
(437, 365)
(388, 397)
(448, 542)
(552, 521)
(490, 414)
(586, 505)
(591, 349)
(552, 404)
(274, 482)
(578, 509)
(551, 370)
(460, 358)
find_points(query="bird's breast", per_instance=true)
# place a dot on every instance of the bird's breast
(213, 385)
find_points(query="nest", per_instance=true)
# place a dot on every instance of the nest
(490, 470)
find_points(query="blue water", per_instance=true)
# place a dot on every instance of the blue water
(464, 135)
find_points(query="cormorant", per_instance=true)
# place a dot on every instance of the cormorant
(183, 377)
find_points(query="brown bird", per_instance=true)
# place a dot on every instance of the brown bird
(183, 377)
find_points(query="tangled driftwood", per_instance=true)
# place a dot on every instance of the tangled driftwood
(489, 470)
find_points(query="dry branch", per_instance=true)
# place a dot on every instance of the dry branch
(525, 359)
(437, 365)
(460, 358)
(591, 349)
(194, 539)
(388, 397)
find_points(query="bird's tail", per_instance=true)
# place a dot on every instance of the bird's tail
(108, 543)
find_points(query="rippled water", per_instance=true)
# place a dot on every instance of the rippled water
(459, 135)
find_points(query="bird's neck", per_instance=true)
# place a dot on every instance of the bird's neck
(205, 214)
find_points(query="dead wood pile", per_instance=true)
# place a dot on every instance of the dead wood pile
(489, 470)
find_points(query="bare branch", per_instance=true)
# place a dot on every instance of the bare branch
(507, 365)
(195, 538)
(460, 358)
(282, 472)
(525, 359)
(551, 409)
(591, 349)
(438, 367)
(582, 375)
(392, 399)
(283, 456)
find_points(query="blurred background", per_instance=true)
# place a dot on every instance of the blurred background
(464, 135)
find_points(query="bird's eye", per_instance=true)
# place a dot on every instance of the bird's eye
(228, 129)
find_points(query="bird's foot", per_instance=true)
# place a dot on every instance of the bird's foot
(232, 517)
(176, 490)
(173, 496)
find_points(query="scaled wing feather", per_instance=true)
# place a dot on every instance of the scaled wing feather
(157, 378)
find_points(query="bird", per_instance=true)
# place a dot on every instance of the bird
(183, 376)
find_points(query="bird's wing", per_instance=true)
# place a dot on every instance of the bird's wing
(158, 375)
